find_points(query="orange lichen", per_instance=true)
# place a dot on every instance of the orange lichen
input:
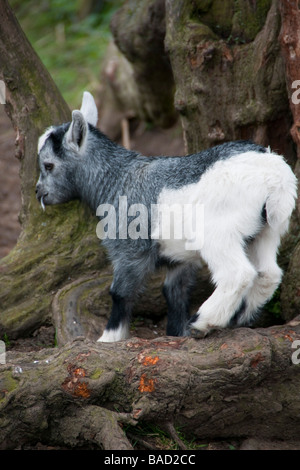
(74, 385)
(150, 361)
(81, 390)
(79, 372)
(287, 336)
(146, 385)
(256, 360)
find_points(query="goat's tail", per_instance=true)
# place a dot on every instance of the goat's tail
(282, 195)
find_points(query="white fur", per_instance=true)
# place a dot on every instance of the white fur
(43, 138)
(234, 192)
(89, 108)
(110, 336)
(78, 127)
(90, 114)
(262, 254)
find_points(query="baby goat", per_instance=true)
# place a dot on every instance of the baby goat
(246, 193)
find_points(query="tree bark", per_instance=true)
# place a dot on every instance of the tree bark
(232, 384)
(32, 100)
(140, 37)
(229, 73)
(290, 48)
(33, 103)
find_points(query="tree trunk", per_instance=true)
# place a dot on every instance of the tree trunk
(232, 384)
(290, 47)
(54, 244)
(229, 73)
(140, 37)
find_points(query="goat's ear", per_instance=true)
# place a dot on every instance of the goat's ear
(77, 132)
(89, 108)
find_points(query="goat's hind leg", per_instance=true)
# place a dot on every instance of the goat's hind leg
(262, 253)
(177, 289)
(233, 275)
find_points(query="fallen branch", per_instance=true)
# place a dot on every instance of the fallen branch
(234, 383)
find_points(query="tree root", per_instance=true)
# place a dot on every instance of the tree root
(95, 425)
(171, 430)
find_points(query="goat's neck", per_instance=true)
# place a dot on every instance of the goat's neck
(99, 180)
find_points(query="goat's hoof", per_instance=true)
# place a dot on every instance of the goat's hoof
(197, 334)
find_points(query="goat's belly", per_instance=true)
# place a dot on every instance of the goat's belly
(179, 229)
(175, 250)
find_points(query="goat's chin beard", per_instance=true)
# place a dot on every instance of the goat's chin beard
(47, 200)
(42, 203)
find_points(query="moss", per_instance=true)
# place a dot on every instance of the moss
(248, 19)
(197, 32)
(259, 347)
(7, 385)
(212, 349)
(238, 21)
(91, 302)
(202, 6)
(53, 246)
(27, 316)
(216, 14)
(96, 374)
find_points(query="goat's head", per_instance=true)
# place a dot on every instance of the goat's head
(60, 149)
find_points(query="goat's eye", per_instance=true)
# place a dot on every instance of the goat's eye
(48, 166)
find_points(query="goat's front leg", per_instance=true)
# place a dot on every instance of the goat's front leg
(117, 327)
(129, 277)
